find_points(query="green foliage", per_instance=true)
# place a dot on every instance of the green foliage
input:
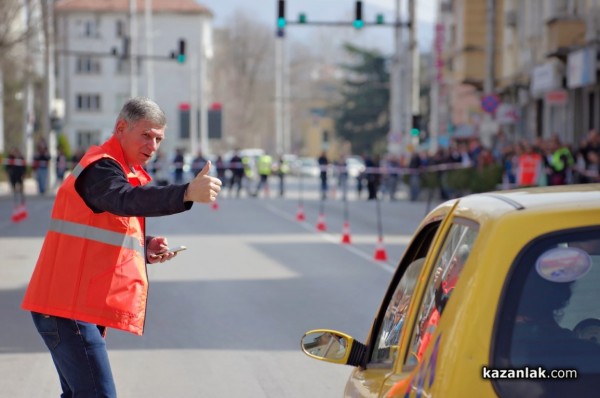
(362, 117)
(63, 143)
(463, 181)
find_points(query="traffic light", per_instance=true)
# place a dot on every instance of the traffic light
(181, 55)
(415, 130)
(281, 22)
(358, 20)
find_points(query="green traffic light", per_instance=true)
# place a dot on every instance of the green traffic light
(281, 22)
(358, 23)
(414, 132)
(181, 58)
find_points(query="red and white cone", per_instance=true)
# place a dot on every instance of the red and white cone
(215, 205)
(300, 214)
(321, 226)
(346, 233)
(19, 213)
(380, 253)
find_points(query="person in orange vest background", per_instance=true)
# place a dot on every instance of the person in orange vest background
(91, 271)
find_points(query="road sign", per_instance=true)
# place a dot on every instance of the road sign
(490, 103)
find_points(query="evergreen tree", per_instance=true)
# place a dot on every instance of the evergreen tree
(362, 116)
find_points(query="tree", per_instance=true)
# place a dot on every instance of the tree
(362, 117)
(243, 81)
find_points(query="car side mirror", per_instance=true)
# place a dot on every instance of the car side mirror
(333, 346)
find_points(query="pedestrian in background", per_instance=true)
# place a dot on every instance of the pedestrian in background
(178, 163)
(15, 168)
(62, 165)
(264, 166)
(91, 272)
(323, 165)
(236, 167)
(41, 161)
(198, 163)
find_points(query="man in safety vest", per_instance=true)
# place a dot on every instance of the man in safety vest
(91, 271)
(264, 167)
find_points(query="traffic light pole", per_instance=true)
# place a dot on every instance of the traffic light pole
(396, 92)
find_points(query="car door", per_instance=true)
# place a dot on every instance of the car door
(384, 343)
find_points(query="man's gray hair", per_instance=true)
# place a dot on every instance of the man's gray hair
(142, 108)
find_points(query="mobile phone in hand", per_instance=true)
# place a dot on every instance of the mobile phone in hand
(177, 249)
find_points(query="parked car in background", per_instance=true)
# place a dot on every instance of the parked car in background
(355, 165)
(495, 296)
(306, 166)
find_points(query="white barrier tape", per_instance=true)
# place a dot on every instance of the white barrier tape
(15, 162)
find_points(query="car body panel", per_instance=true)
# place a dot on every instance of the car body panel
(462, 342)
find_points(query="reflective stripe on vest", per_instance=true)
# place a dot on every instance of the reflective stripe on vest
(77, 170)
(96, 234)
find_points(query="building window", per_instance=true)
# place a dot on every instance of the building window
(121, 30)
(89, 28)
(88, 102)
(87, 65)
(87, 138)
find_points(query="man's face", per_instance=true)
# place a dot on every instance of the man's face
(139, 140)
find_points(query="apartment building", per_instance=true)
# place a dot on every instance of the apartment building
(546, 69)
(94, 78)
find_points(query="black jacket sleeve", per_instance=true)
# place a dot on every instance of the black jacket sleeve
(104, 187)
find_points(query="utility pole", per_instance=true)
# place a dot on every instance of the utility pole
(279, 117)
(490, 47)
(412, 74)
(132, 48)
(193, 66)
(396, 91)
(205, 54)
(488, 127)
(49, 89)
(28, 113)
(149, 49)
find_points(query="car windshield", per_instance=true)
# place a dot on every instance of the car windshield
(551, 318)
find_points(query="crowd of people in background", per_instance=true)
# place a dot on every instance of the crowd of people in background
(543, 162)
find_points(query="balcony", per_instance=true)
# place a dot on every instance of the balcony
(563, 33)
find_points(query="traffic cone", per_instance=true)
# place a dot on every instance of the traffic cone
(346, 233)
(215, 205)
(321, 226)
(300, 213)
(19, 213)
(380, 253)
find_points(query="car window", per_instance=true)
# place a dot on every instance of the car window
(446, 271)
(395, 313)
(391, 318)
(551, 316)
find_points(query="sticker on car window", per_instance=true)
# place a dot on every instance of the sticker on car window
(563, 264)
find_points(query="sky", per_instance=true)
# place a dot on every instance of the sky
(332, 10)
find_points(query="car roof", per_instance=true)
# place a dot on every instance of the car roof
(540, 198)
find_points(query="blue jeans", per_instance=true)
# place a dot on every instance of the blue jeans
(79, 354)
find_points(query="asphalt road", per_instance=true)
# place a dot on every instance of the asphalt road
(226, 316)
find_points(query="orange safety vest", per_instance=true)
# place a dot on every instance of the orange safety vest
(92, 266)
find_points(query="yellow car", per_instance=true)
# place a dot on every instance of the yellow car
(497, 295)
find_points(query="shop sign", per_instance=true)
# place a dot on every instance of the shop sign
(581, 68)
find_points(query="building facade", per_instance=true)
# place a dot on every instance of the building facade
(95, 43)
(546, 66)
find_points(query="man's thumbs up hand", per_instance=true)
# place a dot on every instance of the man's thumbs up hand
(203, 188)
